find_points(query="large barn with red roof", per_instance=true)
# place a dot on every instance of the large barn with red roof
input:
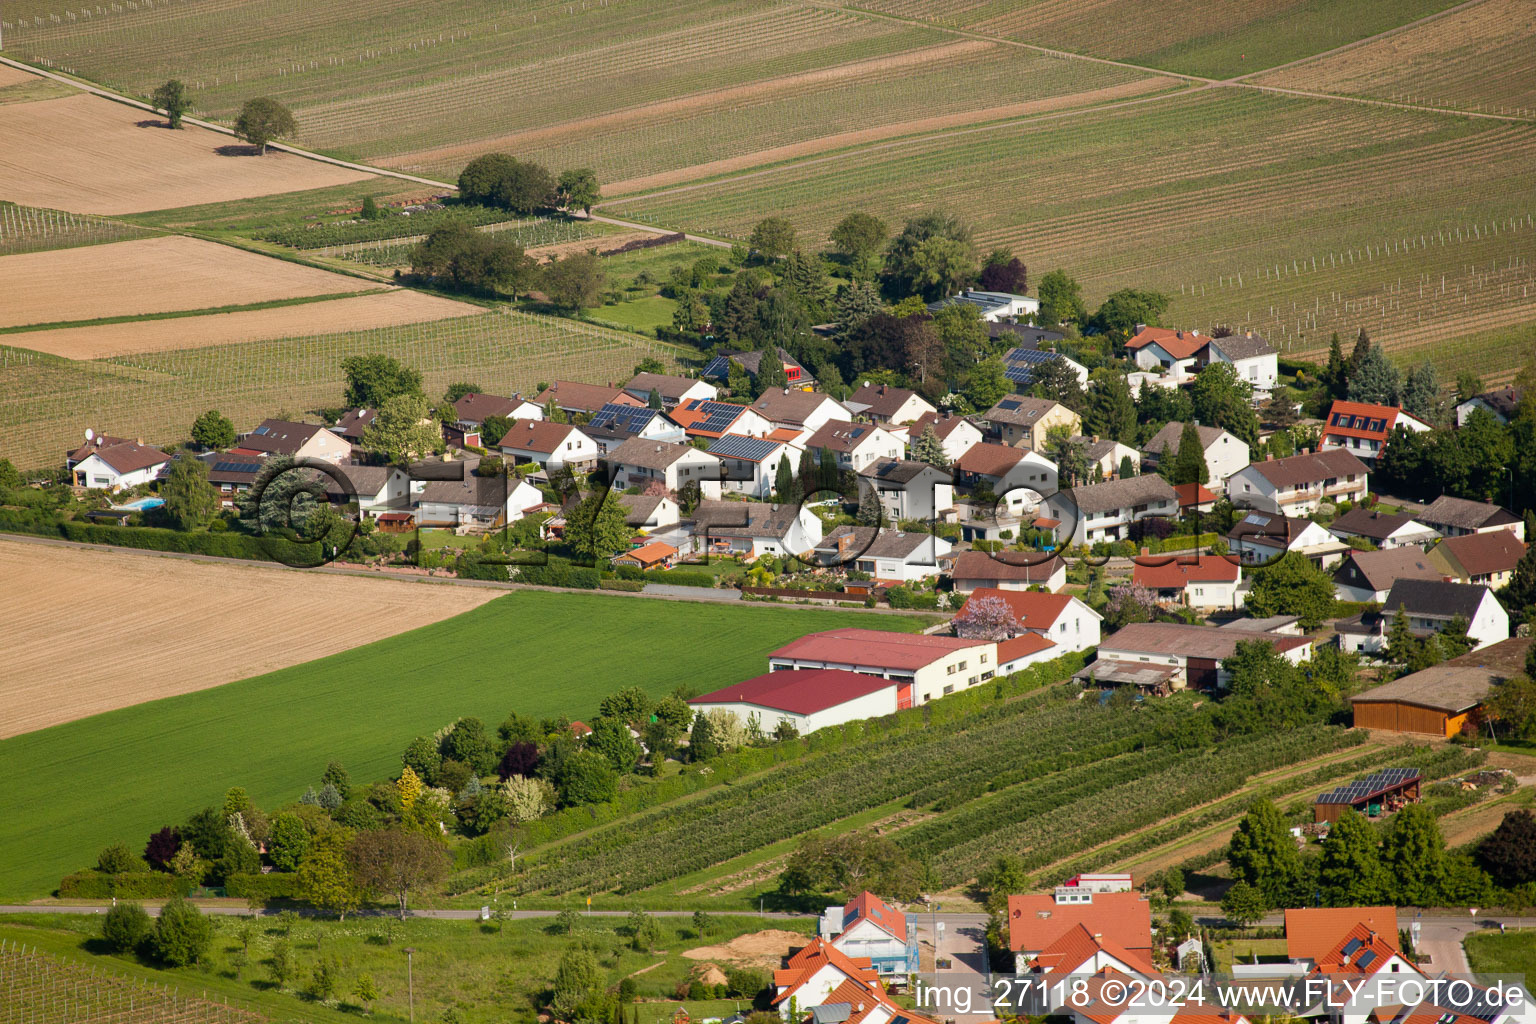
(807, 699)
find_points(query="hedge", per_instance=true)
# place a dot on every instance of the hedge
(217, 545)
(680, 577)
(278, 885)
(628, 586)
(94, 885)
(469, 567)
(560, 574)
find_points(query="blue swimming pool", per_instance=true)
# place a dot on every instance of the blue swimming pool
(144, 504)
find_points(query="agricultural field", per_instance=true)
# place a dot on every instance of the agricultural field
(30, 229)
(156, 395)
(538, 653)
(86, 154)
(151, 275)
(1290, 217)
(1477, 59)
(156, 643)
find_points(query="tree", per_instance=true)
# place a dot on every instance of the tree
(702, 925)
(585, 777)
(702, 744)
(941, 266)
(577, 979)
(1220, 398)
(1335, 376)
(1421, 393)
(854, 305)
(287, 841)
(692, 313)
(928, 448)
(125, 927)
(366, 991)
(1349, 871)
(172, 98)
(1126, 308)
(1189, 466)
(396, 862)
(527, 799)
(1468, 385)
(409, 787)
(576, 282)
(630, 704)
(846, 864)
(1070, 455)
(263, 119)
(117, 859)
(1061, 301)
(283, 965)
(162, 846)
(371, 209)
(1359, 352)
(182, 934)
(1004, 272)
(498, 179)
(372, 379)
(1242, 904)
(1509, 853)
(1376, 380)
(674, 711)
(610, 738)
(1127, 468)
(1110, 409)
(213, 430)
(1512, 705)
(1056, 380)
(771, 375)
(870, 511)
(1262, 854)
(1003, 878)
(911, 274)
(10, 479)
(578, 190)
(1413, 854)
(596, 527)
(403, 430)
(1292, 585)
(784, 483)
(986, 618)
(772, 238)
(190, 500)
(1132, 602)
(858, 237)
(325, 875)
(646, 932)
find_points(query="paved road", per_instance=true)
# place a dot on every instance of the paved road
(235, 909)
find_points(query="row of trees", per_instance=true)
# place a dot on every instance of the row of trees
(501, 180)
(457, 256)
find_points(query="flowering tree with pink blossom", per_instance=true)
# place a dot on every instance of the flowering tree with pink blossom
(986, 618)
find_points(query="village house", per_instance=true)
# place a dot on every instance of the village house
(1250, 356)
(1104, 512)
(1363, 429)
(1499, 403)
(655, 555)
(1298, 484)
(886, 404)
(1204, 582)
(233, 475)
(115, 467)
(639, 462)
(1261, 537)
(649, 511)
(807, 411)
(472, 500)
(1105, 455)
(353, 424)
(750, 465)
(820, 984)
(1429, 607)
(887, 555)
(867, 926)
(719, 368)
(911, 490)
(553, 446)
(1195, 498)
(992, 306)
(376, 489)
(754, 528)
(1063, 619)
(957, 435)
(1007, 570)
(1383, 529)
(709, 419)
(1037, 922)
(574, 398)
(1488, 559)
(1160, 657)
(1024, 422)
(298, 440)
(805, 699)
(1224, 453)
(614, 424)
(1021, 364)
(924, 666)
(1369, 575)
(473, 409)
(1453, 517)
(1166, 350)
(673, 390)
(1019, 476)
(854, 445)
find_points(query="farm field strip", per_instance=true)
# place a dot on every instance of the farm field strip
(34, 229)
(1474, 59)
(530, 234)
(157, 395)
(149, 275)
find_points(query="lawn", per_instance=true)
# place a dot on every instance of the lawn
(1512, 953)
(644, 314)
(484, 971)
(83, 785)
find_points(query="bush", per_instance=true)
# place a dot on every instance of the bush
(152, 885)
(560, 574)
(627, 586)
(680, 577)
(276, 885)
(182, 934)
(125, 927)
(117, 859)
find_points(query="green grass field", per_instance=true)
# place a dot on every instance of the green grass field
(117, 776)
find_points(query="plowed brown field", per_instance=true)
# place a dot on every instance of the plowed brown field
(103, 629)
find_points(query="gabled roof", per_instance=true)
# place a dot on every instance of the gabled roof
(841, 436)
(478, 491)
(570, 394)
(1177, 343)
(1312, 933)
(649, 554)
(1501, 400)
(279, 437)
(942, 426)
(746, 519)
(1078, 945)
(1361, 950)
(1370, 523)
(1242, 346)
(1166, 440)
(1191, 495)
(669, 386)
(639, 507)
(989, 459)
(1362, 420)
(707, 417)
(1186, 641)
(539, 436)
(874, 647)
(720, 367)
(1037, 921)
(882, 400)
(1445, 687)
(1010, 566)
(129, 457)
(1019, 410)
(1127, 492)
(866, 906)
(1380, 569)
(899, 471)
(477, 408)
(648, 454)
(99, 441)
(804, 964)
(1268, 526)
(1483, 554)
(1434, 598)
(868, 542)
(1022, 646)
(354, 422)
(1174, 572)
(787, 405)
(1032, 609)
(1310, 468)
(744, 449)
(1465, 515)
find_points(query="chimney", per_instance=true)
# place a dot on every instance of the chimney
(1145, 552)
(1269, 456)
(139, 441)
(1306, 451)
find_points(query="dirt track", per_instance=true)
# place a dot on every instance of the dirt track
(351, 314)
(150, 275)
(90, 155)
(103, 629)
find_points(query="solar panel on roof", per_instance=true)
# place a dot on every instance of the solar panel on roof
(1254, 519)
(717, 415)
(720, 366)
(627, 418)
(1366, 960)
(1351, 946)
(737, 447)
(235, 467)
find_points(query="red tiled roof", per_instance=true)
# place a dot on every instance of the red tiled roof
(1035, 922)
(874, 647)
(942, 426)
(1360, 419)
(866, 906)
(1193, 494)
(653, 553)
(1311, 933)
(783, 434)
(570, 394)
(1078, 945)
(800, 967)
(1022, 646)
(539, 436)
(1015, 566)
(1179, 344)
(799, 691)
(1173, 572)
(1031, 609)
(989, 459)
(1360, 940)
(1482, 554)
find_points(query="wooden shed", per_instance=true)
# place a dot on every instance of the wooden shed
(1386, 791)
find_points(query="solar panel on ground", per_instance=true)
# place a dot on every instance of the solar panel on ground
(737, 447)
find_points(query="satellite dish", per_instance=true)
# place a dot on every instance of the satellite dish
(89, 434)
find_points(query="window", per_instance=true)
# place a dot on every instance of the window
(1063, 628)
(972, 681)
(950, 670)
(949, 689)
(962, 665)
(984, 659)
